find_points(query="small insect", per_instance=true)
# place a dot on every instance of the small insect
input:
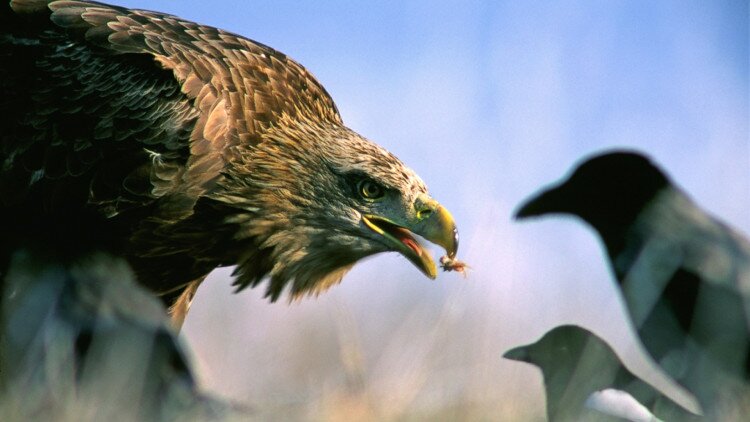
(452, 264)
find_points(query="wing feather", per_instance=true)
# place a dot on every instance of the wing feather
(95, 99)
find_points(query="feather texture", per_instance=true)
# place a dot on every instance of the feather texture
(181, 147)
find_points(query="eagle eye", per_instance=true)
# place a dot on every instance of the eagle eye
(370, 190)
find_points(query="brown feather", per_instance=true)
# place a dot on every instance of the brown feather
(184, 146)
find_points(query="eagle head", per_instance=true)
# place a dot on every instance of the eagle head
(313, 198)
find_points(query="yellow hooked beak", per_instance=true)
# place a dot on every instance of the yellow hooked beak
(432, 222)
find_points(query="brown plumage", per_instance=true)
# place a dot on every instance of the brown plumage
(184, 147)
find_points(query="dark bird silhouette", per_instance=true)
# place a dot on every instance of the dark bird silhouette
(82, 341)
(183, 147)
(684, 275)
(578, 367)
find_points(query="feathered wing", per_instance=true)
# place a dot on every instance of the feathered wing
(689, 280)
(134, 115)
(167, 96)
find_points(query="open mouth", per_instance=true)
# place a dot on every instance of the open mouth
(401, 239)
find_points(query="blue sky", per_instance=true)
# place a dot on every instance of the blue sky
(488, 101)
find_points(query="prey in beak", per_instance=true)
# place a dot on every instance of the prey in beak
(431, 221)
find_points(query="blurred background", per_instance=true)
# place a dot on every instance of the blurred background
(488, 101)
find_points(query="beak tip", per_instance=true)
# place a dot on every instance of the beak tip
(522, 213)
(517, 354)
(553, 200)
(431, 272)
(453, 250)
(532, 207)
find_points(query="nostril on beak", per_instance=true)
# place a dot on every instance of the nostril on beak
(422, 214)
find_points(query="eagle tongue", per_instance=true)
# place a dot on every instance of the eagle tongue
(405, 237)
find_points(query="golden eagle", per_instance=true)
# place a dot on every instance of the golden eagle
(183, 147)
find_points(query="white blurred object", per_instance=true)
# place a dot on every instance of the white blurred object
(620, 404)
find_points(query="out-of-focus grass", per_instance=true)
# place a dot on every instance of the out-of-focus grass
(332, 359)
